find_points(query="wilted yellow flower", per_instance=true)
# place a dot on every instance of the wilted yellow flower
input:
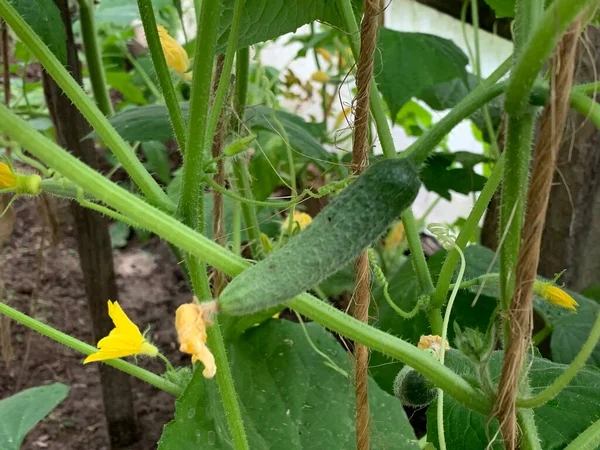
(320, 77)
(8, 179)
(176, 56)
(302, 219)
(124, 340)
(554, 295)
(324, 53)
(432, 342)
(394, 237)
(190, 323)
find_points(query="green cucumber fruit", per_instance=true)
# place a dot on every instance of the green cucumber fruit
(341, 231)
(413, 389)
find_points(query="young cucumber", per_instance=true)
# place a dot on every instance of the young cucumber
(339, 233)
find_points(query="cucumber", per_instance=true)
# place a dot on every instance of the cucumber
(341, 231)
(413, 389)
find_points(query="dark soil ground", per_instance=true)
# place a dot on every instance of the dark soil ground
(49, 286)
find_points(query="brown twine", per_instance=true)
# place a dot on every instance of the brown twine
(552, 125)
(360, 160)
(218, 208)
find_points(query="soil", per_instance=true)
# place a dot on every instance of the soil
(48, 285)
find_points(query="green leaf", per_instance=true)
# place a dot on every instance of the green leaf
(263, 20)
(44, 18)
(122, 13)
(151, 123)
(122, 82)
(264, 165)
(502, 8)
(558, 421)
(439, 176)
(408, 63)
(290, 398)
(21, 412)
(570, 331)
(158, 160)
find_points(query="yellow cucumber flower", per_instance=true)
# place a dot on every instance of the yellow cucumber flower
(320, 77)
(19, 183)
(124, 340)
(190, 323)
(432, 342)
(176, 56)
(302, 219)
(8, 179)
(394, 237)
(554, 295)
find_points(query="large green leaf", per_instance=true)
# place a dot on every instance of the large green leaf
(44, 18)
(21, 412)
(558, 421)
(151, 123)
(408, 63)
(263, 20)
(290, 398)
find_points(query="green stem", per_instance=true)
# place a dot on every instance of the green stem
(242, 71)
(570, 372)
(445, 277)
(586, 106)
(541, 335)
(274, 204)
(529, 439)
(190, 204)
(93, 57)
(162, 72)
(534, 49)
(198, 245)
(144, 75)
(588, 88)
(237, 229)
(86, 349)
(244, 188)
(482, 94)
(588, 440)
(90, 111)
(519, 135)
(225, 80)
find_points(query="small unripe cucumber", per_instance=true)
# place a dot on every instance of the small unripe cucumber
(340, 232)
(413, 389)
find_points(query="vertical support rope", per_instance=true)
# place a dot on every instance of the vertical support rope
(552, 124)
(360, 160)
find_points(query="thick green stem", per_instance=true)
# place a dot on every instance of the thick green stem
(567, 376)
(189, 206)
(90, 111)
(194, 243)
(519, 135)
(93, 57)
(588, 440)
(533, 50)
(529, 439)
(162, 72)
(86, 349)
(445, 277)
(242, 74)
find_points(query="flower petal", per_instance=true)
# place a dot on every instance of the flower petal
(103, 355)
(7, 177)
(121, 321)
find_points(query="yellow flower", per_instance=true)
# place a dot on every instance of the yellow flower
(325, 54)
(124, 340)
(554, 295)
(394, 237)
(176, 56)
(432, 342)
(302, 219)
(320, 76)
(190, 323)
(8, 179)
